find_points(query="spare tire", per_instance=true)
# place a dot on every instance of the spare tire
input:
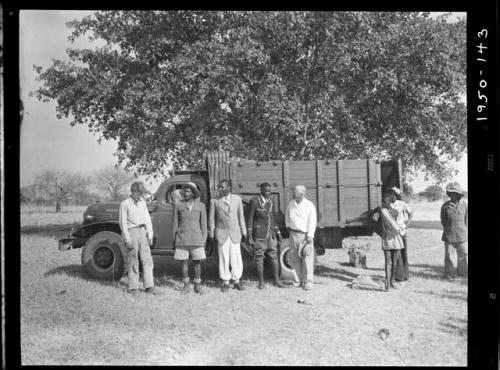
(104, 255)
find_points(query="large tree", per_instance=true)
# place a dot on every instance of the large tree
(268, 85)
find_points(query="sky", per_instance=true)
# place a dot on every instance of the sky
(49, 143)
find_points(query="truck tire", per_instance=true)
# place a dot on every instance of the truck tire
(104, 255)
(288, 259)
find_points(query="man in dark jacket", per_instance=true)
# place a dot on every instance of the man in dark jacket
(454, 218)
(263, 233)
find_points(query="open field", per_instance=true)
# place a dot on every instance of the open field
(68, 318)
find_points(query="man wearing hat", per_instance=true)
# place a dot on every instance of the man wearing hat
(263, 233)
(189, 232)
(137, 232)
(405, 214)
(454, 218)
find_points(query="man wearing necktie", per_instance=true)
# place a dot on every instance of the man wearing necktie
(226, 223)
(263, 233)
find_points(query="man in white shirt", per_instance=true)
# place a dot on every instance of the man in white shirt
(226, 223)
(300, 219)
(137, 232)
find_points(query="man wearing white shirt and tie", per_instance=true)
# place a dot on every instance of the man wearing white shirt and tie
(226, 223)
(300, 219)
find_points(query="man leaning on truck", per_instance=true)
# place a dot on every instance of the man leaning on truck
(137, 231)
(226, 223)
(300, 218)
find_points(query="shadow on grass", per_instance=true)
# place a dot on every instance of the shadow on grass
(59, 231)
(339, 274)
(434, 225)
(455, 326)
(168, 272)
(78, 271)
(454, 294)
(436, 272)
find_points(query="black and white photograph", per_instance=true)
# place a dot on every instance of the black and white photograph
(245, 187)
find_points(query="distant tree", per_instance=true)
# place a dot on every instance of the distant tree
(114, 182)
(169, 85)
(433, 193)
(59, 186)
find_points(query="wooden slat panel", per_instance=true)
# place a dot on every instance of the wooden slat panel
(350, 164)
(340, 180)
(301, 165)
(355, 172)
(319, 190)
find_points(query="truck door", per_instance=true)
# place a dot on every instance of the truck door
(163, 215)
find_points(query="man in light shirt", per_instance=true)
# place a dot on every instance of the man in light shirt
(137, 232)
(300, 219)
(226, 223)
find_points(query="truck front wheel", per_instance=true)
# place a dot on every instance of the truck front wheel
(104, 255)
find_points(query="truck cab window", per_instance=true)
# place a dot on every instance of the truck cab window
(174, 194)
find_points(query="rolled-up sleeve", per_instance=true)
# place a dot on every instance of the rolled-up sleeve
(122, 219)
(311, 224)
(147, 221)
(203, 221)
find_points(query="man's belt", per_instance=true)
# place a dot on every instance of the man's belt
(297, 231)
(138, 227)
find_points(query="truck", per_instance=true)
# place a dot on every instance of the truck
(345, 193)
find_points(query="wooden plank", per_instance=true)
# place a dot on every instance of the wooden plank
(340, 191)
(301, 165)
(350, 164)
(319, 190)
(369, 187)
(286, 184)
(379, 181)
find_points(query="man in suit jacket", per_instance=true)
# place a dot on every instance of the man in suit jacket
(226, 223)
(263, 233)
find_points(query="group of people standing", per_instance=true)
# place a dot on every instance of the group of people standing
(225, 226)
(395, 217)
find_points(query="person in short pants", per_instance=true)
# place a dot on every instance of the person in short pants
(190, 234)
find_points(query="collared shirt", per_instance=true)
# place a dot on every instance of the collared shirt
(454, 218)
(301, 216)
(133, 214)
(404, 211)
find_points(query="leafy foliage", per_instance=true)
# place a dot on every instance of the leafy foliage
(267, 85)
(433, 193)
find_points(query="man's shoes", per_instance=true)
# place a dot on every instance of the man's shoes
(278, 283)
(394, 285)
(185, 288)
(261, 284)
(224, 288)
(238, 286)
(197, 288)
(307, 287)
(151, 291)
(134, 291)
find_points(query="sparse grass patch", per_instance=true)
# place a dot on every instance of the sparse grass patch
(68, 318)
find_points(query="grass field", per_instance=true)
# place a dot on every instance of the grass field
(68, 318)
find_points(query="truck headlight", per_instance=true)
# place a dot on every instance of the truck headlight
(89, 218)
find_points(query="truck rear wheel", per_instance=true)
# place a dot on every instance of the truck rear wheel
(104, 255)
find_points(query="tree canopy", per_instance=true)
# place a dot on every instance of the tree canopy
(169, 85)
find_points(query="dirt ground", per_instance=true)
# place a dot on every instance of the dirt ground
(69, 318)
